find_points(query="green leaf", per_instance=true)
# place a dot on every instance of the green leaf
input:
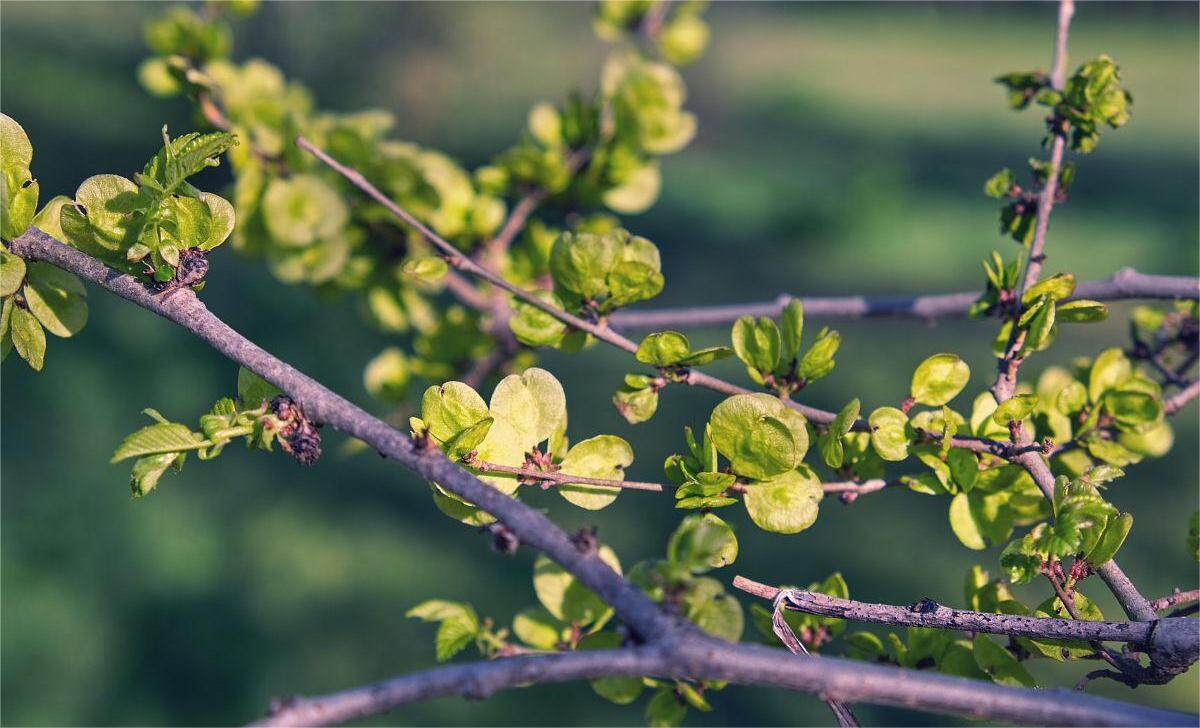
(818, 361)
(387, 375)
(1015, 409)
(832, 450)
(759, 435)
(427, 269)
(619, 690)
(864, 646)
(963, 523)
(702, 542)
(637, 192)
(939, 379)
(999, 184)
(535, 327)
(56, 298)
(889, 433)
(580, 262)
(12, 272)
(302, 209)
(707, 355)
(253, 390)
(1056, 288)
(603, 456)
(148, 470)
(537, 628)
(533, 402)
(1110, 369)
(458, 625)
(786, 503)
(100, 219)
(15, 147)
(1132, 409)
(663, 348)
(630, 282)
(707, 605)
(635, 405)
(1000, 664)
(28, 338)
(1081, 311)
(468, 440)
(161, 437)
(565, 597)
(664, 710)
(1110, 541)
(451, 408)
(791, 329)
(47, 219)
(757, 343)
(1064, 649)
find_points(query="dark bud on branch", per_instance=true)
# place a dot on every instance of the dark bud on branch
(504, 541)
(297, 436)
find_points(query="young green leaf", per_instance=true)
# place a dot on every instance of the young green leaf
(1015, 409)
(889, 433)
(759, 435)
(785, 503)
(603, 456)
(832, 449)
(159, 438)
(939, 379)
(663, 349)
(28, 338)
(757, 344)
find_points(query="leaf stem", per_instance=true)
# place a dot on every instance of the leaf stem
(558, 477)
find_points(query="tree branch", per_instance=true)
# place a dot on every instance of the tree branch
(1179, 400)
(927, 613)
(1179, 597)
(675, 650)
(705, 658)
(1126, 283)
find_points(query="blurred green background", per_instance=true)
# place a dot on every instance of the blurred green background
(842, 148)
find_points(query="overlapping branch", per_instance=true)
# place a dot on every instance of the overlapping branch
(926, 613)
(671, 648)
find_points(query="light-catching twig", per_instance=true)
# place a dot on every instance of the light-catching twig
(560, 478)
(1125, 284)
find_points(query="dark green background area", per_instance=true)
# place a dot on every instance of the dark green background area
(842, 148)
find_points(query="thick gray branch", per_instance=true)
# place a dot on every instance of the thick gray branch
(1126, 283)
(700, 657)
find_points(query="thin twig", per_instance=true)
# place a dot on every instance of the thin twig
(1173, 600)
(456, 258)
(1179, 400)
(494, 249)
(1006, 382)
(559, 477)
(927, 613)
(1125, 284)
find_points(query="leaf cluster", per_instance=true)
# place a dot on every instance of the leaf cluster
(34, 297)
